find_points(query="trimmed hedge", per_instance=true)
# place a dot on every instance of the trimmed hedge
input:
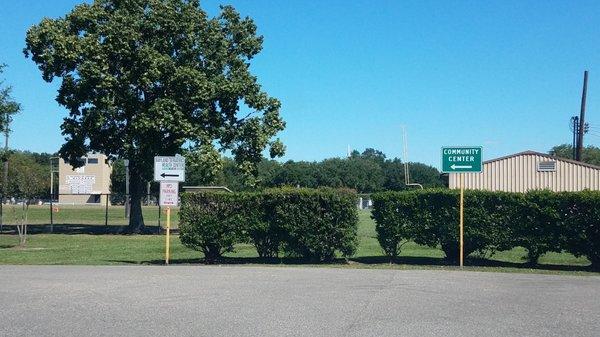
(212, 225)
(309, 223)
(582, 225)
(540, 221)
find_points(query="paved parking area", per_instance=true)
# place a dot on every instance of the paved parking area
(286, 301)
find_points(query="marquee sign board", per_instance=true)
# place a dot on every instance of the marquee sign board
(459, 159)
(169, 168)
(80, 184)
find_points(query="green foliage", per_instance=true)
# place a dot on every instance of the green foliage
(366, 173)
(142, 78)
(117, 181)
(431, 218)
(540, 221)
(28, 175)
(8, 106)
(299, 173)
(313, 224)
(392, 213)
(590, 154)
(203, 165)
(539, 227)
(211, 223)
(581, 213)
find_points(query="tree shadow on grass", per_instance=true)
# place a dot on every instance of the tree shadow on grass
(76, 229)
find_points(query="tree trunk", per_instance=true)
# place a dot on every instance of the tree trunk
(136, 190)
(5, 175)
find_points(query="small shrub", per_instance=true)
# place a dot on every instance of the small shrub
(538, 224)
(314, 223)
(211, 223)
(581, 213)
(394, 216)
(265, 235)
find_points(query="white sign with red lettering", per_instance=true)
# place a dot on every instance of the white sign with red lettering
(169, 193)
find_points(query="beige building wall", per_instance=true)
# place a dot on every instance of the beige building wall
(86, 184)
(519, 173)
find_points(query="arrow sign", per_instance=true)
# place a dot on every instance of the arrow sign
(169, 168)
(454, 167)
(457, 159)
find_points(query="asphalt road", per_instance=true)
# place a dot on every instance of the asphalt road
(272, 301)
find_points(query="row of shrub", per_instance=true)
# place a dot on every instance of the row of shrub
(540, 221)
(314, 224)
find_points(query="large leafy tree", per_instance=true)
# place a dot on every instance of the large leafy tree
(142, 78)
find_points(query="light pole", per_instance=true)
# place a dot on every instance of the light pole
(127, 202)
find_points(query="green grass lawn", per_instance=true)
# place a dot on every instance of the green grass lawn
(82, 215)
(85, 249)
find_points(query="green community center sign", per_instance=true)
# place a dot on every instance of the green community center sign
(462, 159)
(457, 159)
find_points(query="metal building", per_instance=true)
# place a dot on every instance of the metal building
(88, 184)
(530, 170)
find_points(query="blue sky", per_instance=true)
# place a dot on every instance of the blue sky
(501, 74)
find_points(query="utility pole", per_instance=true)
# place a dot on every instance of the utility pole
(582, 118)
(575, 128)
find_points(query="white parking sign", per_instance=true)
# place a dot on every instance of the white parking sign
(169, 193)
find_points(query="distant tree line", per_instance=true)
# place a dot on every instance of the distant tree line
(590, 154)
(366, 172)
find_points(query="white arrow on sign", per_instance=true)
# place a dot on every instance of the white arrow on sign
(454, 166)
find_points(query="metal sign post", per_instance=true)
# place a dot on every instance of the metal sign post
(169, 197)
(462, 220)
(461, 159)
(168, 237)
(169, 171)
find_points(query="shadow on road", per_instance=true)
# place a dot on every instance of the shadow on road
(372, 260)
(469, 261)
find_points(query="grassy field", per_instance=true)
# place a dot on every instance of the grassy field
(149, 249)
(81, 215)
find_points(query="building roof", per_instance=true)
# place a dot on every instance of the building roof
(534, 153)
